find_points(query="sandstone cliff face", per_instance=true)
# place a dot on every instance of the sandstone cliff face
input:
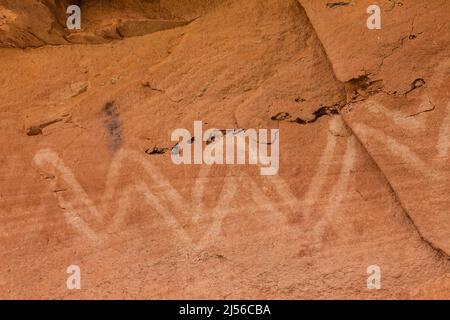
(364, 120)
(32, 23)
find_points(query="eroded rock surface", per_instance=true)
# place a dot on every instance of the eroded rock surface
(364, 120)
(33, 23)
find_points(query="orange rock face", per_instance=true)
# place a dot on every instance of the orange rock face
(87, 177)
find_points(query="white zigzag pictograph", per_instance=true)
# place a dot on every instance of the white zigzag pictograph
(431, 174)
(406, 122)
(81, 213)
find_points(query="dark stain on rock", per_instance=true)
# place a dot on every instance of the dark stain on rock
(280, 116)
(37, 129)
(113, 126)
(417, 83)
(332, 5)
(156, 150)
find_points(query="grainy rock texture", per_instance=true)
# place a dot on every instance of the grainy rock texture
(85, 127)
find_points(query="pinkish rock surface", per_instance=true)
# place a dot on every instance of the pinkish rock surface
(364, 132)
